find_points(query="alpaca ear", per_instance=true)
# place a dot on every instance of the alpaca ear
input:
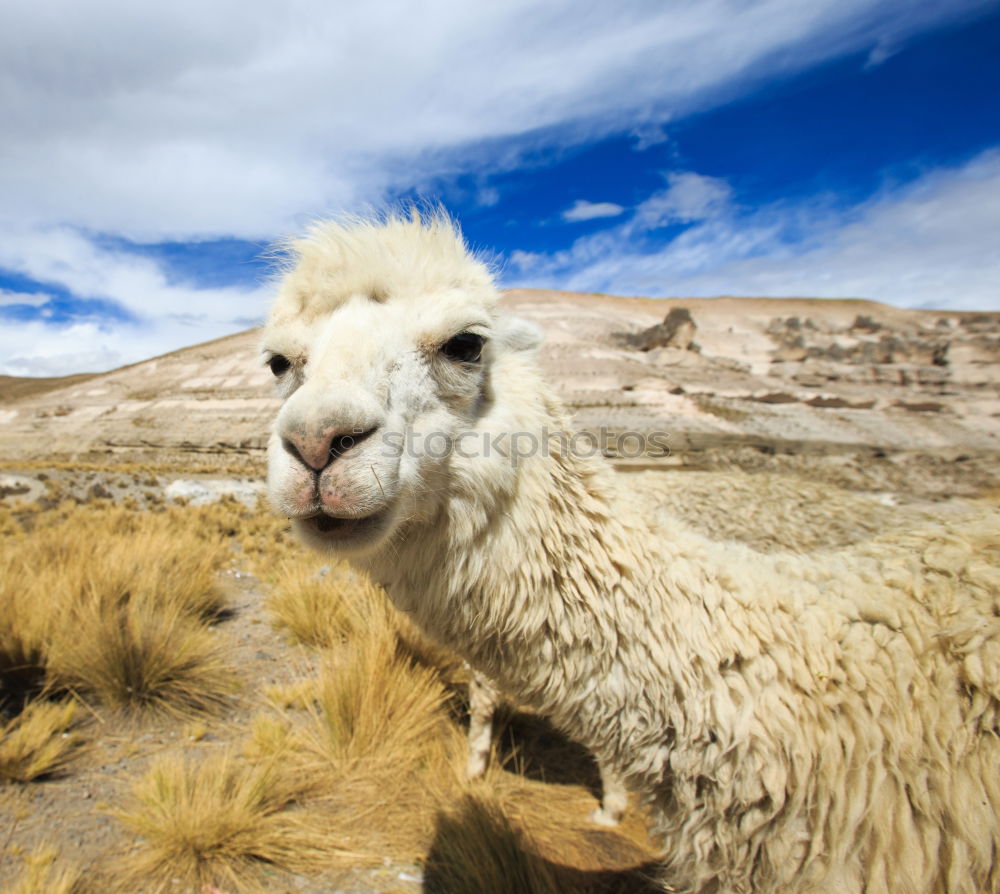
(519, 334)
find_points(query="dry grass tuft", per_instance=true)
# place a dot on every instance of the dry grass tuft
(167, 566)
(113, 604)
(23, 632)
(374, 706)
(9, 528)
(116, 556)
(324, 607)
(218, 821)
(271, 737)
(373, 746)
(42, 875)
(299, 694)
(140, 657)
(38, 742)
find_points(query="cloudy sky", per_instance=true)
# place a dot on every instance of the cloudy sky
(149, 153)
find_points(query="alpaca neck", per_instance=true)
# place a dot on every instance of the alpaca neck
(548, 592)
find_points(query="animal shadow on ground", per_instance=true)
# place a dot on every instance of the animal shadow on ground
(477, 848)
(532, 747)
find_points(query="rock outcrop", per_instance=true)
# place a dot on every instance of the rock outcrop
(676, 331)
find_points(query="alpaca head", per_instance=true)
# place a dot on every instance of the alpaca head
(384, 340)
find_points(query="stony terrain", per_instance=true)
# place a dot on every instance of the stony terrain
(793, 374)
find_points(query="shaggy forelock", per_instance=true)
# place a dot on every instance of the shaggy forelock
(389, 257)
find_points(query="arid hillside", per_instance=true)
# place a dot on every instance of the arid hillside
(727, 381)
(815, 373)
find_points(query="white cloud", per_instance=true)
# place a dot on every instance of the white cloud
(649, 134)
(931, 243)
(881, 52)
(688, 197)
(9, 298)
(584, 210)
(487, 197)
(165, 315)
(67, 258)
(39, 349)
(177, 120)
(245, 118)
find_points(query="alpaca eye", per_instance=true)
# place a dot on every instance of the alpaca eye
(279, 364)
(466, 347)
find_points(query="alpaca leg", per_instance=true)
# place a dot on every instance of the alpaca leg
(615, 799)
(483, 700)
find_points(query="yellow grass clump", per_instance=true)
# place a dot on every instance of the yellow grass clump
(374, 706)
(372, 717)
(380, 697)
(218, 821)
(114, 606)
(8, 523)
(23, 632)
(137, 656)
(39, 741)
(117, 556)
(372, 745)
(322, 606)
(42, 874)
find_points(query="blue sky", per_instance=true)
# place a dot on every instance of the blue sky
(836, 148)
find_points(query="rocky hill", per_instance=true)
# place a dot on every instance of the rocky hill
(801, 374)
(774, 376)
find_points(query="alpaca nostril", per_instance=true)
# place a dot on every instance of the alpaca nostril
(318, 452)
(340, 444)
(292, 448)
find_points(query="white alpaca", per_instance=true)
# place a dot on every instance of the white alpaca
(796, 724)
(769, 512)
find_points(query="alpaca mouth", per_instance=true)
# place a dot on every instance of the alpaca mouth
(334, 528)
